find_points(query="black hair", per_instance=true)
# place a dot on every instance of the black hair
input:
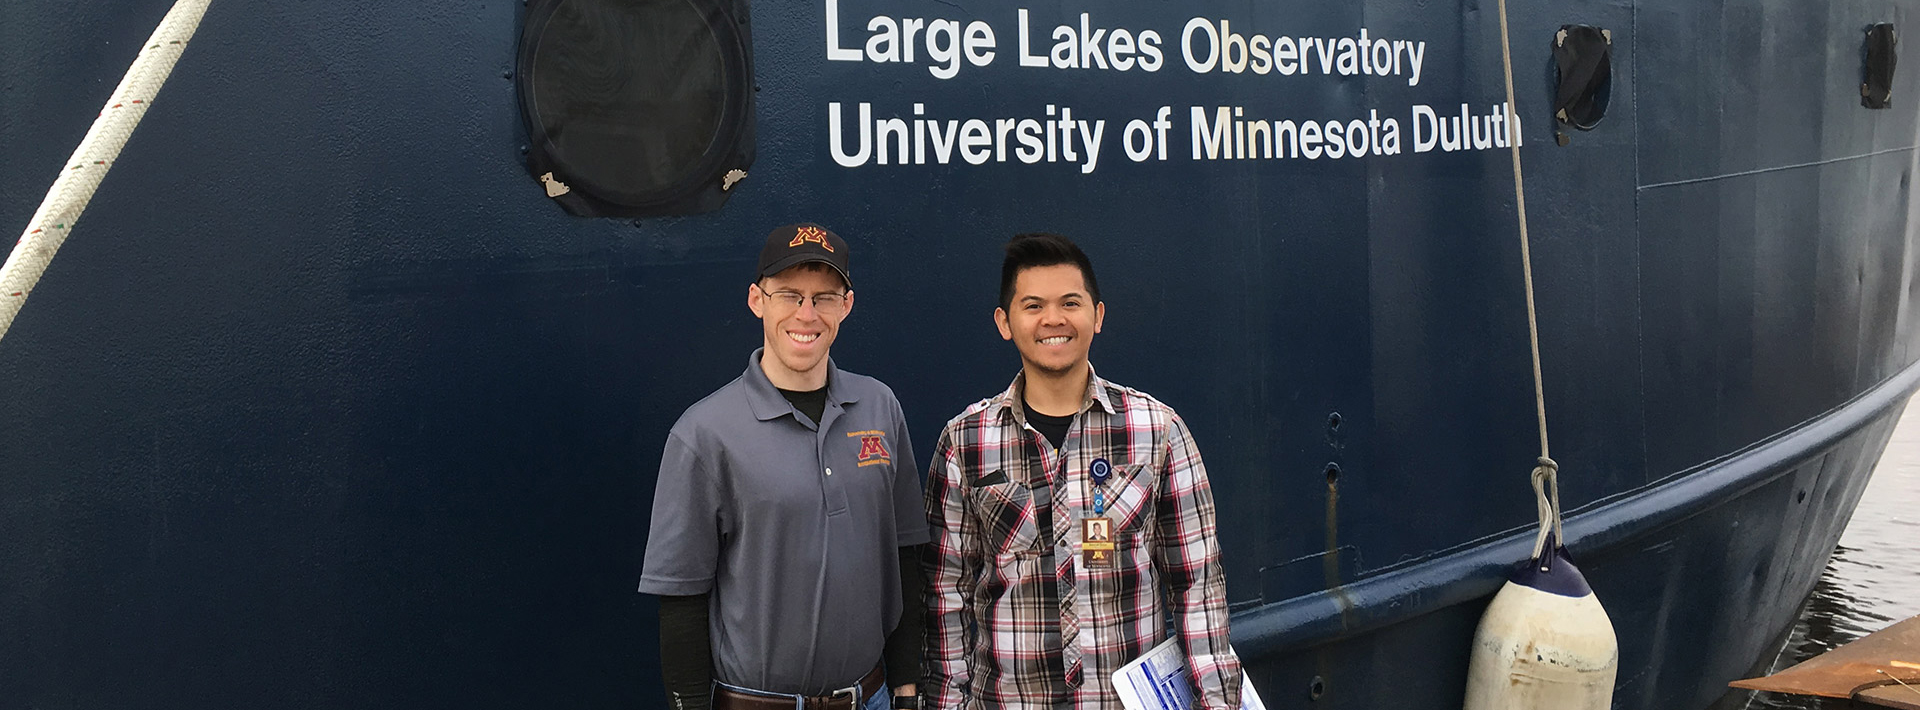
(1037, 249)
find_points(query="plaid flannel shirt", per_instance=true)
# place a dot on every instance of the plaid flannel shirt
(993, 633)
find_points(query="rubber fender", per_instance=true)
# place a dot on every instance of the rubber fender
(1545, 643)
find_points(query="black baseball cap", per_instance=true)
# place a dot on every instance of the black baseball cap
(796, 244)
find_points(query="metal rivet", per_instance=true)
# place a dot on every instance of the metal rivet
(1316, 689)
(829, 471)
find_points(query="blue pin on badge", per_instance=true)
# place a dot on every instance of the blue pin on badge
(1101, 471)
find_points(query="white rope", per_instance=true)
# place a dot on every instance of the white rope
(1526, 254)
(90, 162)
(1546, 499)
(1546, 476)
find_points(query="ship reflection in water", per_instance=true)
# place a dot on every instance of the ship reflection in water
(1873, 579)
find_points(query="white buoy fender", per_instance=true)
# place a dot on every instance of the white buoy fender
(1544, 643)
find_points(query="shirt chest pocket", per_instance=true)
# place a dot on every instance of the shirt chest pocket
(1005, 511)
(1130, 499)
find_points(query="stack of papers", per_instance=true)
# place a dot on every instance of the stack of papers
(1159, 681)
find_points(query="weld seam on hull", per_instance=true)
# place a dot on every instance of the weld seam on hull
(1777, 168)
(1398, 595)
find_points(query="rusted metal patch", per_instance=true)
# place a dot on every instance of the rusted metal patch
(1882, 668)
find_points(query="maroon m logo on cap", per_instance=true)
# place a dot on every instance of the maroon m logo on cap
(810, 234)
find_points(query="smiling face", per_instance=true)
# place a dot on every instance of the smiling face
(797, 337)
(1051, 320)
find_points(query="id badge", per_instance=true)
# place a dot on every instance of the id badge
(1096, 542)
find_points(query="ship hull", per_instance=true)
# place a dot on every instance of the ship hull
(327, 403)
(1702, 576)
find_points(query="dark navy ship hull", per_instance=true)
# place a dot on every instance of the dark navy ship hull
(1695, 573)
(327, 404)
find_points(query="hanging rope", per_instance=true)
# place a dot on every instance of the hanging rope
(1546, 475)
(1546, 497)
(77, 182)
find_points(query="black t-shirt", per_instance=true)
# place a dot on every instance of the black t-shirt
(1052, 427)
(812, 403)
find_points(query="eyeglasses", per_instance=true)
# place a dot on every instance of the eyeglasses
(826, 304)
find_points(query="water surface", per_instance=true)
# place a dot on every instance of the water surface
(1873, 579)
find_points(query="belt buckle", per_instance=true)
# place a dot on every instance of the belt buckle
(851, 693)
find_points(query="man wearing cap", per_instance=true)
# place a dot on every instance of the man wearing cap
(787, 516)
(1071, 519)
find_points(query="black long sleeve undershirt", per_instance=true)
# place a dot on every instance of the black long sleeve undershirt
(686, 642)
(686, 652)
(903, 645)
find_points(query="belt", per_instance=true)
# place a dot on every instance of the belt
(848, 698)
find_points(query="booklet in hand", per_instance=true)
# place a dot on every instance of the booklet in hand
(1158, 680)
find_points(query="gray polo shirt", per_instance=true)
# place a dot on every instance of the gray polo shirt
(793, 528)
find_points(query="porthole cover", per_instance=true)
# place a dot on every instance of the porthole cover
(1583, 59)
(637, 108)
(1876, 84)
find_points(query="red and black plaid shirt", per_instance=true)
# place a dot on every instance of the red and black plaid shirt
(993, 638)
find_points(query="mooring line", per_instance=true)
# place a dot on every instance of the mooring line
(82, 173)
(1546, 473)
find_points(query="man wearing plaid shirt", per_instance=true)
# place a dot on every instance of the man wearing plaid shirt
(1071, 516)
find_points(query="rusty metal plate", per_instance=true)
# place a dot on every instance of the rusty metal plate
(1869, 669)
(1893, 695)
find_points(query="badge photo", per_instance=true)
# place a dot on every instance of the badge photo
(1096, 542)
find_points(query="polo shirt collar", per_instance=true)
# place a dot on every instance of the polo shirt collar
(1009, 403)
(768, 403)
